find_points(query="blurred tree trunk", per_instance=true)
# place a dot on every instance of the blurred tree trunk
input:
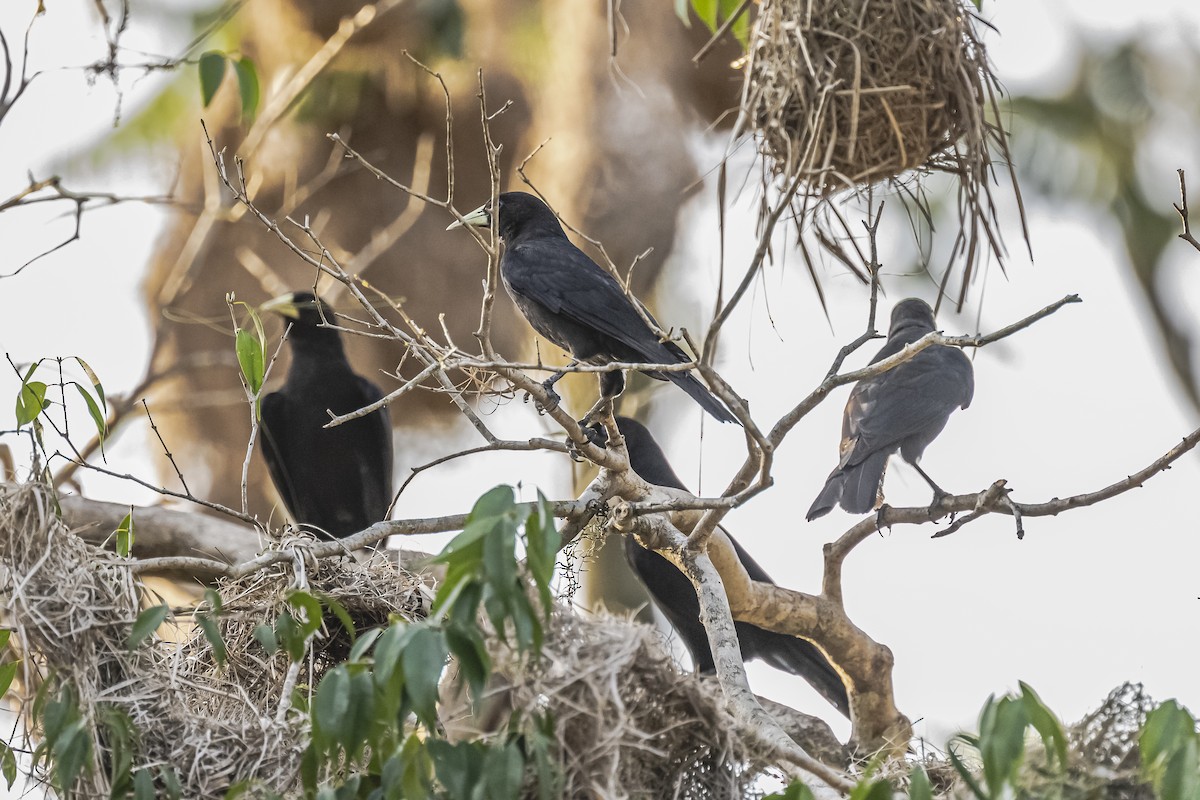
(616, 166)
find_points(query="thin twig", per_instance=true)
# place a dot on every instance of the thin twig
(1183, 212)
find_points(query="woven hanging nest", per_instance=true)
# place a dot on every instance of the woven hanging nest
(842, 95)
(845, 94)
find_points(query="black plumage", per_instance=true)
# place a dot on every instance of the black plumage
(903, 409)
(334, 481)
(577, 305)
(675, 596)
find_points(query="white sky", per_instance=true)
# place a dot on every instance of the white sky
(1089, 599)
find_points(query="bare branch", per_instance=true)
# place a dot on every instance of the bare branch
(1183, 212)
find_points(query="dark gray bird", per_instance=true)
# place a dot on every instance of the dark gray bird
(903, 409)
(577, 305)
(675, 596)
(334, 481)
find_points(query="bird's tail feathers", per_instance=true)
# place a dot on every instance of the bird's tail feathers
(803, 658)
(700, 393)
(855, 487)
(829, 496)
(860, 483)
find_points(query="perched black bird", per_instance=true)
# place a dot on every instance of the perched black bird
(903, 409)
(334, 481)
(577, 305)
(674, 594)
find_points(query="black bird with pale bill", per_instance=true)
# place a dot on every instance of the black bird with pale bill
(675, 596)
(578, 306)
(334, 481)
(902, 409)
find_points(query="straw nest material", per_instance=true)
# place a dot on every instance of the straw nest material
(842, 95)
(628, 722)
(73, 606)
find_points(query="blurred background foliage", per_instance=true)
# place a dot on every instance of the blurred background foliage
(619, 110)
(619, 106)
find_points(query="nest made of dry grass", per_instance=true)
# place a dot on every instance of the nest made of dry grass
(628, 723)
(73, 605)
(842, 96)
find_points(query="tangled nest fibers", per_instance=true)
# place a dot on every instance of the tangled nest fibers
(844, 94)
(628, 723)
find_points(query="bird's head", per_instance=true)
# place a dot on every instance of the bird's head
(303, 309)
(912, 312)
(516, 213)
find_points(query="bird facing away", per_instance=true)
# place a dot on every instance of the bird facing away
(675, 596)
(334, 481)
(571, 301)
(903, 409)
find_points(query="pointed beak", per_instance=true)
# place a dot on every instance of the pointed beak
(284, 306)
(479, 218)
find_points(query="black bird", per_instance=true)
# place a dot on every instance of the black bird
(334, 481)
(903, 409)
(675, 596)
(577, 305)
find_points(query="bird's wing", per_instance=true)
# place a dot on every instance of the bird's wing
(275, 437)
(561, 278)
(916, 395)
(375, 455)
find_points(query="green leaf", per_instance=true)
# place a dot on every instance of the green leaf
(213, 598)
(965, 774)
(265, 635)
(91, 373)
(499, 556)
(919, 787)
(8, 765)
(208, 625)
(170, 782)
(330, 708)
(457, 766)
(341, 613)
(212, 72)
(389, 651)
(1046, 724)
(795, 791)
(706, 10)
(1002, 741)
(147, 623)
(143, 785)
(7, 673)
(31, 401)
(870, 787)
(290, 635)
(363, 643)
(542, 545)
(474, 663)
(5, 633)
(124, 534)
(72, 750)
(1181, 780)
(311, 606)
(247, 78)
(251, 359)
(361, 715)
(423, 659)
(681, 11)
(417, 768)
(503, 770)
(94, 411)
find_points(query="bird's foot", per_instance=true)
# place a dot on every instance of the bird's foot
(880, 521)
(553, 398)
(935, 506)
(595, 433)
